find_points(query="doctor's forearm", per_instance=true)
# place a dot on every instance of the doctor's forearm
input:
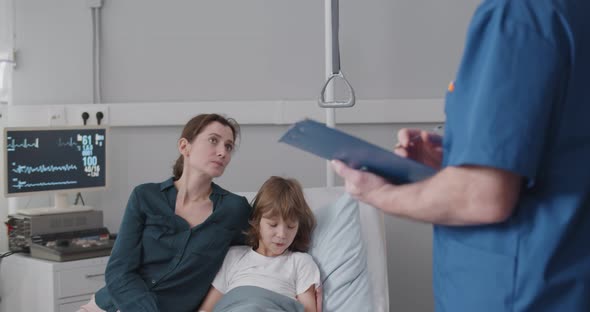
(454, 196)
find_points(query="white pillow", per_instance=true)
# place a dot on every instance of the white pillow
(339, 250)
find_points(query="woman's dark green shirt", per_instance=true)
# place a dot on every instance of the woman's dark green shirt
(160, 263)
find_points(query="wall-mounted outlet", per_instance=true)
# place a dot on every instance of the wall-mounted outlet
(96, 113)
(57, 116)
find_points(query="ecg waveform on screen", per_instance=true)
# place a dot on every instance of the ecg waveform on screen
(69, 143)
(13, 145)
(22, 169)
(47, 159)
(17, 184)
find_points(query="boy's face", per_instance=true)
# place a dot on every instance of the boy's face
(276, 235)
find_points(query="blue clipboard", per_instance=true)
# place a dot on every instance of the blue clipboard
(330, 143)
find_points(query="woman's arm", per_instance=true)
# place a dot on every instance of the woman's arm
(212, 298)
(308, 299)
(126, 288)
(243, 215)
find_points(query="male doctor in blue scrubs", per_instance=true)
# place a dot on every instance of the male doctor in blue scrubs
(511, 203)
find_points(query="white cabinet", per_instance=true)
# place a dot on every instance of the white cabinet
(34, 285)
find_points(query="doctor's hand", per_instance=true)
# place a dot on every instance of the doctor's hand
(422, 146)
(361, 185)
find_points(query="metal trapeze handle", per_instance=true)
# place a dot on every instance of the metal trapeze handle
(335, 104)
(336, 72)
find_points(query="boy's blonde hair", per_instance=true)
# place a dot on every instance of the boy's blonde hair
(282, 197)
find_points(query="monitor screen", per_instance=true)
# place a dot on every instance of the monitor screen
(54, 159)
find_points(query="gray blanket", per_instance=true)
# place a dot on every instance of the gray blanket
(256, 299)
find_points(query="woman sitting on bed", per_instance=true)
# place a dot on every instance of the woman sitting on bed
(175, 234)
(279, 235)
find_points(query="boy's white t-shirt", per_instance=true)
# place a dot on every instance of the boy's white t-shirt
(289, 274)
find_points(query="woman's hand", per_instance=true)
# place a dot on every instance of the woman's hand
(213, 296)
(421, 146)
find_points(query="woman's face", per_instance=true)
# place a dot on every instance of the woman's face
(210, 151)
(276, 235)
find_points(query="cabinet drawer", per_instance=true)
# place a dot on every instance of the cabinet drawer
(80, 281)
(72, 306)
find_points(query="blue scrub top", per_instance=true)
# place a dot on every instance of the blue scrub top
(521, 103)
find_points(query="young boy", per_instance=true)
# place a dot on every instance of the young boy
(279, 235)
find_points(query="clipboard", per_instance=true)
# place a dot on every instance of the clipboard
(329, 143)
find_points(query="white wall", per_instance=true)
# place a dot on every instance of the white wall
(397, 54)
(234, 50)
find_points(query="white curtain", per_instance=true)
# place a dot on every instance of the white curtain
(6, 50)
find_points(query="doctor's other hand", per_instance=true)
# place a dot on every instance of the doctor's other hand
(422, 146)
(359, 184)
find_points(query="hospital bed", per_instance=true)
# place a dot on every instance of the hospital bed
(348, 243)
(349, 246)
